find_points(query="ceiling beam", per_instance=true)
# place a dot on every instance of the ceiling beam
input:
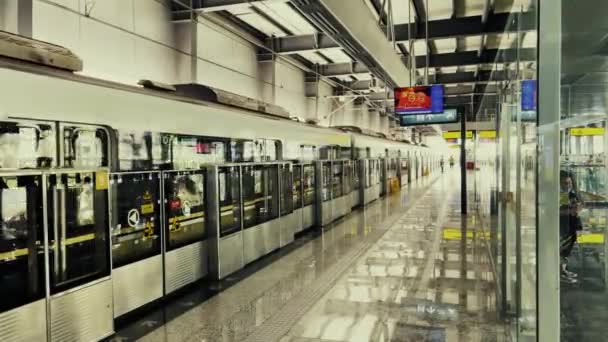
(438, 60)
(205, 6)
(465, 26)
(490, 56)
(447, 78)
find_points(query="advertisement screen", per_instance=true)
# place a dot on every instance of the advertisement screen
(419, 100)
(528, 95)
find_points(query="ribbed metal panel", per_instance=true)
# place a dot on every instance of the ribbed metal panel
(83, 315)
(137, 284)
(24, 324)
(185, 265)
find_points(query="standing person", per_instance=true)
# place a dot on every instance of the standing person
(441, 162)
(451, 162)
(570, 205)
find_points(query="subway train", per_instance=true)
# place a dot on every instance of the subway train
(112, 196)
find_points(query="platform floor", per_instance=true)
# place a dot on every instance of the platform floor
(396, 271)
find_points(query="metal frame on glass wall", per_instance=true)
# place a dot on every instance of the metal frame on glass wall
(547, 212)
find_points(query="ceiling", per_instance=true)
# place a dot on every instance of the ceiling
(466, 38)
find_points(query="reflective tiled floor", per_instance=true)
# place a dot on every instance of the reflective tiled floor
(407, 268)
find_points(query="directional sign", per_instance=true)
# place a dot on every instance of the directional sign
(133, 217)
(449, 115)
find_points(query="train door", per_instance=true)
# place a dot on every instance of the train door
(288, 219)
(137, 267)
(79, 254)
(22, 258)
(186, 250)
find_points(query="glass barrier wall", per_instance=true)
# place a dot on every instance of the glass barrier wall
(136, 217)
(356, 183)
(337, 179)
(185, 208)
(229, 193)
(21, 235)
(326, 181)
(78, 228)
(255, 209)
(573, 116)
(308, 187)
(287, 193)
(297, 187)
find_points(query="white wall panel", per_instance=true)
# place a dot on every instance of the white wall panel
(117, 12)
(152, 19)
(147, 55)
(56, 25)
(70, 4)
(116, 61)
(8, 15)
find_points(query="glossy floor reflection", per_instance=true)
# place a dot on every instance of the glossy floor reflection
(400, 270)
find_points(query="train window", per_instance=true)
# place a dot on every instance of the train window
(308, 186)
(241, 151)
(229, 199)
(26, 145)
(326, 181)
(21, 258)
(135, 217)
(286, 173)
(85, 146)
(297, 186)
(78, 233)
(139, 151)
(185, 208)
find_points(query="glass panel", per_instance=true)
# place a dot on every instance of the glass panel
(309, 185)
(229, 188)
(337, 179)
(135, 217)
(254, 195)
(355, 170)
(21, 253)
(78, 234)
(272, 190)
(368, 173)
(348, 177)
(286, 189)
(185, 208)
(326, 181)
(25, 144)
(85, 146)
(297, 186)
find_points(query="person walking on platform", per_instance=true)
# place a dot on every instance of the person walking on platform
(451, 162)
(441, 162)
(570, 205)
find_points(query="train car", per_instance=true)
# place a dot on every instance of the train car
(117, 204)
